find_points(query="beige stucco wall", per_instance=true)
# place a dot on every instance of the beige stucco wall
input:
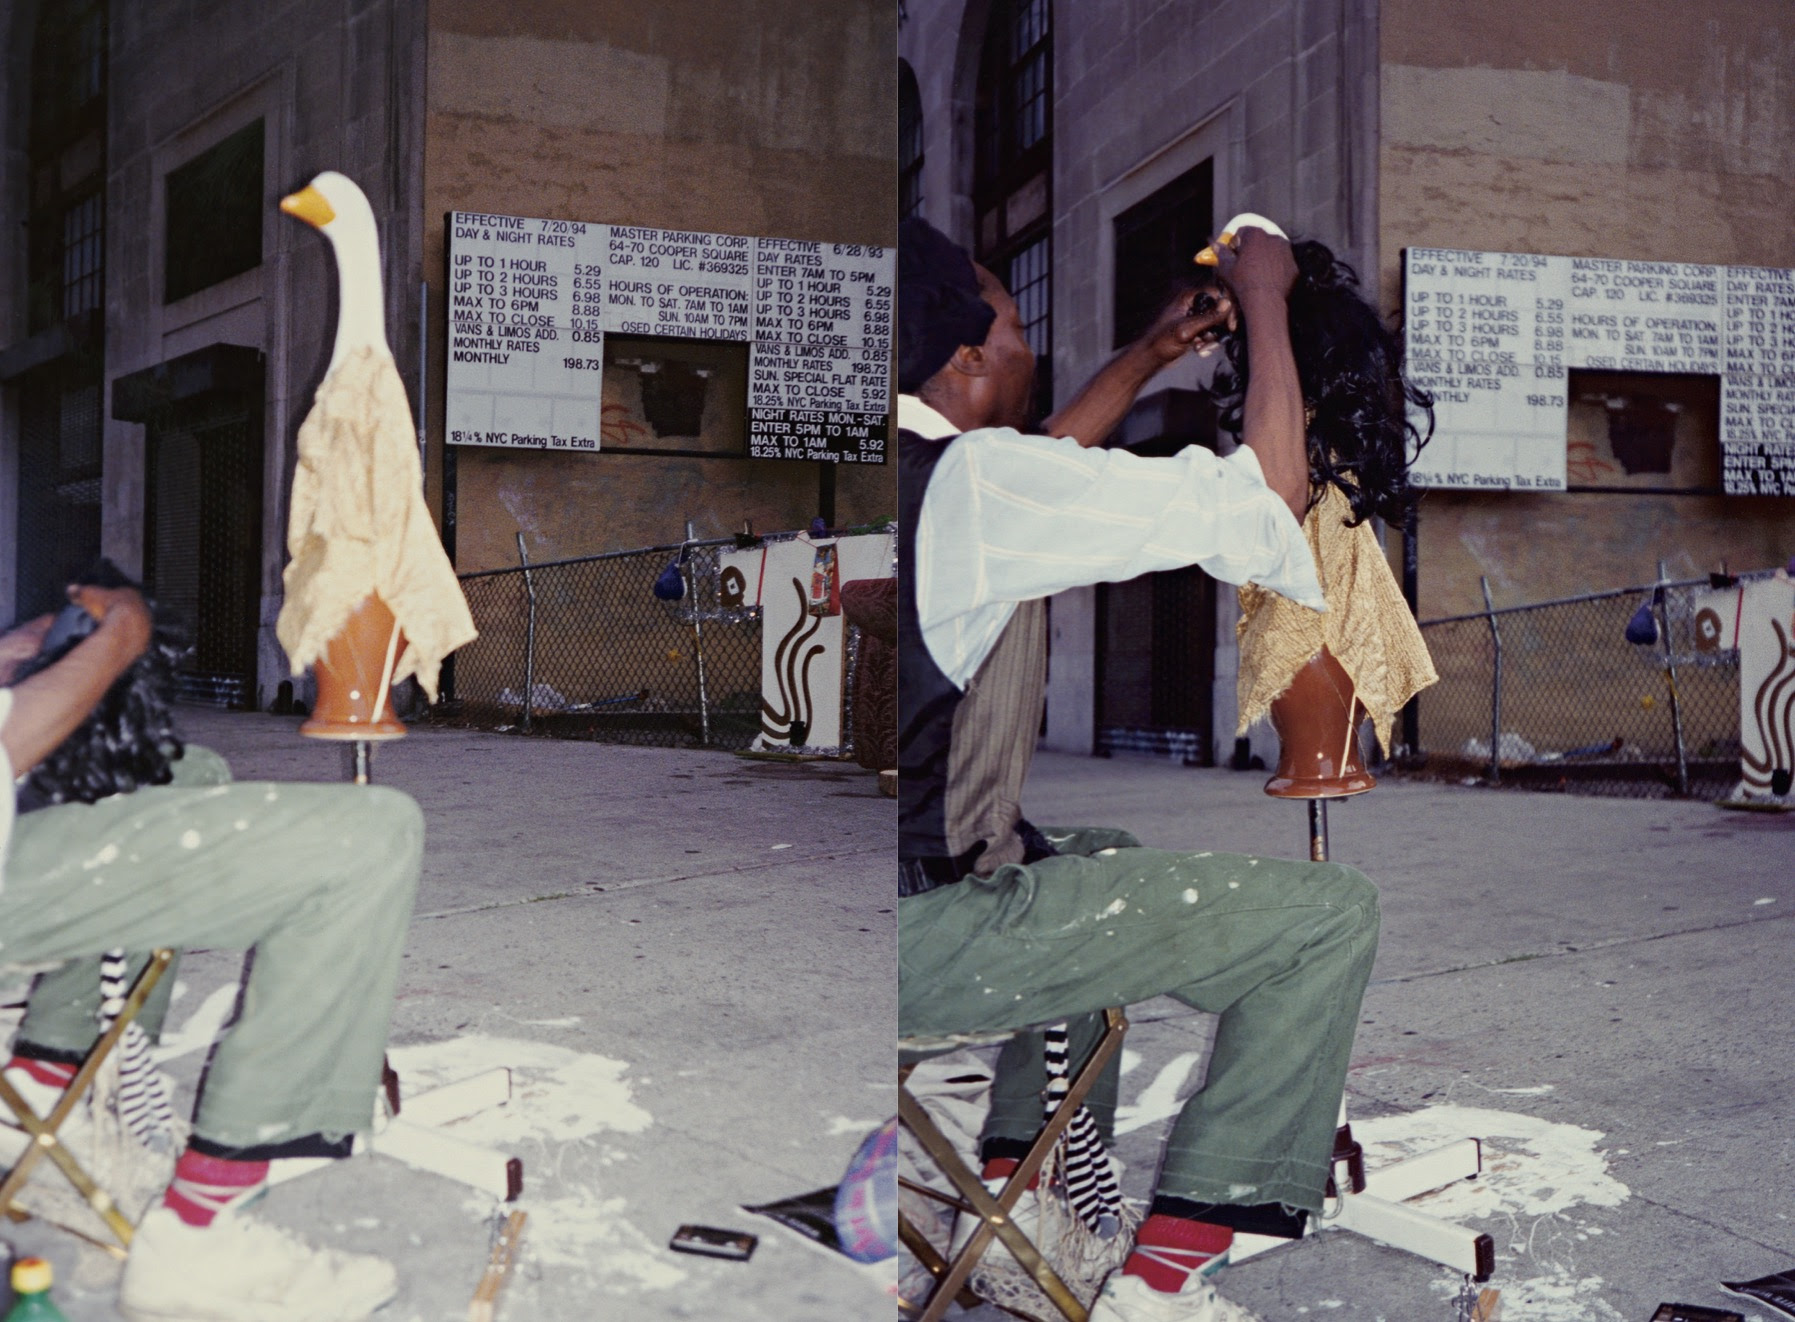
(1642, 129)
(735, 116)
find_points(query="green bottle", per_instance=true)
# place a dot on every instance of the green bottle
(31, 1293)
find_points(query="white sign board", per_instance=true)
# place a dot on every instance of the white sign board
(803, 656)
(531, 301)
(1757, 394)
(1758, 618)
(1486, 337)
(1492, 335)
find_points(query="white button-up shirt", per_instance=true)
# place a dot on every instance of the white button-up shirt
(1008, 518)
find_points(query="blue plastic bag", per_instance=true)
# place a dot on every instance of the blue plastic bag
(866, 1200)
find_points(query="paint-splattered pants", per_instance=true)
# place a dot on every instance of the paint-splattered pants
(318, 879)
(1280, 951)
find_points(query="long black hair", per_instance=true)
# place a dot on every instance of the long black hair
(129, 739)
(1356, 400)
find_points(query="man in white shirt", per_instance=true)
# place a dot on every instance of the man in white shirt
(317, 879)
(999, 931)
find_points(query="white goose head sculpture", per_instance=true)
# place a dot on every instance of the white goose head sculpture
(337, 209)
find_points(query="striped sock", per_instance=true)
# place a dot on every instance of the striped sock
(1169, 1249)
(204, 1186)
(50, 1073)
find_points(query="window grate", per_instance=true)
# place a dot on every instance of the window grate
(910, 143)
(83, 255)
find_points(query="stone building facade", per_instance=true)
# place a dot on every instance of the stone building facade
(1623, 131)
(163, 327)
(1668, 139)
(1162, 118)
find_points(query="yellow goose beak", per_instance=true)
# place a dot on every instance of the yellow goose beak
(1245, 220)
(1207, 257)
(308, 204)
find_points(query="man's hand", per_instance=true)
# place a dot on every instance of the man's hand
(121, 608)
(17, 646)
(47, 707)
(1256, 264)
(1193, 320)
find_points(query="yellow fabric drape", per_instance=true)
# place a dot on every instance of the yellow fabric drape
(359, 525)
(1367, 625)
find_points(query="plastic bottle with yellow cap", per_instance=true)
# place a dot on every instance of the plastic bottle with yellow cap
(31, 1293)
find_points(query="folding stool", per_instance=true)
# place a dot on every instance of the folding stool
(42, 1130)
(975, 1199)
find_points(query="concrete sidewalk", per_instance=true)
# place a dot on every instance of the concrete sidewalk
(1597, 987)
(687, 957)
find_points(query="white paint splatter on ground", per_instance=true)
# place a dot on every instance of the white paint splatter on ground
(1534, 1172)
(200, 1029)
(841, 1124)
(1164, 1097)
(562, 1101)
(1531, 1167)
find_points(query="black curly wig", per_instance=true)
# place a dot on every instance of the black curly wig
(1356, 400)
(128, 741)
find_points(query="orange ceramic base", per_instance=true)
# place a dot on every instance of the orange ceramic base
(1317, 720)
(354, 678)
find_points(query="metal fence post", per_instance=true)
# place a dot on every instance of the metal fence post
(529, 633)
(1670, 673)
(1411, 592)
(1495, 686)
(704, 708)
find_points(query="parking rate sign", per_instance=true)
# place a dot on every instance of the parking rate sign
(531, 301)
(1493, 335)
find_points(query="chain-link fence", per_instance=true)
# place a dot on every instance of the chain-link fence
(1554, 696)
(600, 656)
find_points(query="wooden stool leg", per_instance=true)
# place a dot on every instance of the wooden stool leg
(994, 1213)
(43, 1131)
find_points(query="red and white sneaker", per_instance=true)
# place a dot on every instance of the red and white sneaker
(239, 1269)
(1130, 1299)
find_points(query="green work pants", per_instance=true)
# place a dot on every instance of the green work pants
(62, 1018)
(1281, 951)
(1021, 1075)
(318, 879)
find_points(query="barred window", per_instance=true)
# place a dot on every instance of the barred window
(909, 143)
(1029, 285)
(1029, 90)
(1013, 169)
(57, 514)
(68, 67)
(83, 243)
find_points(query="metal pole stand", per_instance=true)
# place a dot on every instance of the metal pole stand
(1374, 1203)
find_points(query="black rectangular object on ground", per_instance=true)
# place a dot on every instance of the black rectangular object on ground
(1694, 1313)
(711, 1242)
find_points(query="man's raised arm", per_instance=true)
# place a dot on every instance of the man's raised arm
(1102, 402)
(48, 706)
(1260, 270)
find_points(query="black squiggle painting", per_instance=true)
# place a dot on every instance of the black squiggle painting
(1773, 708)
(791, 667)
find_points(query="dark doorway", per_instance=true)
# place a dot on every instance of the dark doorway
(203, 538)
(1156, 241)
(1156, 666)
(1156, 633)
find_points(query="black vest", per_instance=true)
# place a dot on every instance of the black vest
(927, 698)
